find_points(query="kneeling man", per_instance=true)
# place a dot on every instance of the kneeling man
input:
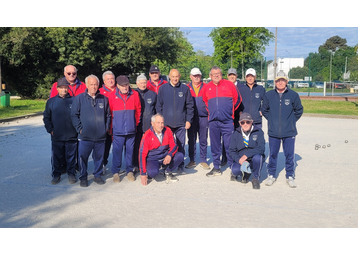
(247, 149)
(158, 148)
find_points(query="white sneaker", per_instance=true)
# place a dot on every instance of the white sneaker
(270, 180)
(291, 182)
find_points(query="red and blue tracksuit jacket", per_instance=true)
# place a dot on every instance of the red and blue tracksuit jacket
(152, 87)
(105, 91)
(126, 112)
(221, 100)
(74, 90)
(151, 149)
(200, 109)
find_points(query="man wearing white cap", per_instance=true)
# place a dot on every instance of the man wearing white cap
(282, 108)
(200, 123)
(252, 97)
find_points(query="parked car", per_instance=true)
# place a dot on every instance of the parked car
(340, 86)
(302, 85)
(319, 85)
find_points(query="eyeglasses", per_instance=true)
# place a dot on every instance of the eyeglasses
(215, 74)
(248, 122)
(71, 73)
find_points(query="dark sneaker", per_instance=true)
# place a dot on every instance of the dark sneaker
(181, 170)
(170, 178)
(98, 180)
(245, 178)
(214, 172)
(223, 162)
(233, 178)
(72, 179)
(135, 170)
(84, 183)
(191, 164)
(56, 179)
(255, 183)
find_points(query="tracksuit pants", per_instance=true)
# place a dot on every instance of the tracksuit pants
(84, 150)
(288, 145)
(180, 133)
(138, 139)
(120, 141)
(256, 163)
(154, 165)
(199, 126)
(218, 130)
(107, 148)
(63, 152)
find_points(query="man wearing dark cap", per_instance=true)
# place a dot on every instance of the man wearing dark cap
(57, 120)
(155, 82)
(91, 117)
(282, 108)
(247, 149)
(126, 114)
(232, 76)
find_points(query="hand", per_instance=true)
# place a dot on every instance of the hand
(187, 125)
(52, 133)
(144, 180)
(167, 160)
(109, 132)
(260, 113)
(80, 131)
(242, 159)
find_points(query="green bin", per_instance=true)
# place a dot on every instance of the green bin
(5, 98)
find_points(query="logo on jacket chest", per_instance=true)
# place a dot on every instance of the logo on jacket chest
(70, 105)
(254, 137)
(257, 95)
(149, 100)
(100, 105)
(181, 94)
(287, 101)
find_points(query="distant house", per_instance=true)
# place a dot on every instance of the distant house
(285, 64)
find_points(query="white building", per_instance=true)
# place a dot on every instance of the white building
(285, 64)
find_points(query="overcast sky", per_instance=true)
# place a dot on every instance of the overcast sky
(291, 41)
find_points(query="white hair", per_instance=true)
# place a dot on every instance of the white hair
(156, 115)
(107, 73)
(64, 69)
(91, 76)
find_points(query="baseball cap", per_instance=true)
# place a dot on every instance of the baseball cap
(281, 75)
(245, 116)
(154, 69)
(232, 71)
(122, 80)
(195, 71)
(250, 71)
(62, 82)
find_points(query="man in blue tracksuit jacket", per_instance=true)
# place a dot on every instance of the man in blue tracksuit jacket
(282, 108)
(247, 146)
(176, 104)
(91, 117)
(57, 120)
(252, 97)
(148, 100)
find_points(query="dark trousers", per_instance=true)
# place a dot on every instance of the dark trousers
(255, 164)
(220, 130)
(199, 127)
(154, 165)
(138, 138)
(180, 133)
(107, 148)
(120, 141)
(63, 152)
(288, 145)
(84, 150)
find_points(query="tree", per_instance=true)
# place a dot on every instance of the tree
(246, 44)
(298, 72)
(334, 43)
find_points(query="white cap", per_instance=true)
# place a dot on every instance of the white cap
(195, 71)
(250, 71)
(281, 75)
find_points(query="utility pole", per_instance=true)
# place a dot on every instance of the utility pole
(274, 61)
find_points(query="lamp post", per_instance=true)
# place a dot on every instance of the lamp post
(330, 72)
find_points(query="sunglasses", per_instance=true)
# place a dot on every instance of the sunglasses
(247, 122)
(71, 73)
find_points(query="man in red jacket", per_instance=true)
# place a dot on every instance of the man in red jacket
(155, 81)
(158, 148)
(76, 86)
(126, 113)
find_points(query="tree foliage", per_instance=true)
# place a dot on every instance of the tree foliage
(333, 43)
(244, 44)
(33, 58)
